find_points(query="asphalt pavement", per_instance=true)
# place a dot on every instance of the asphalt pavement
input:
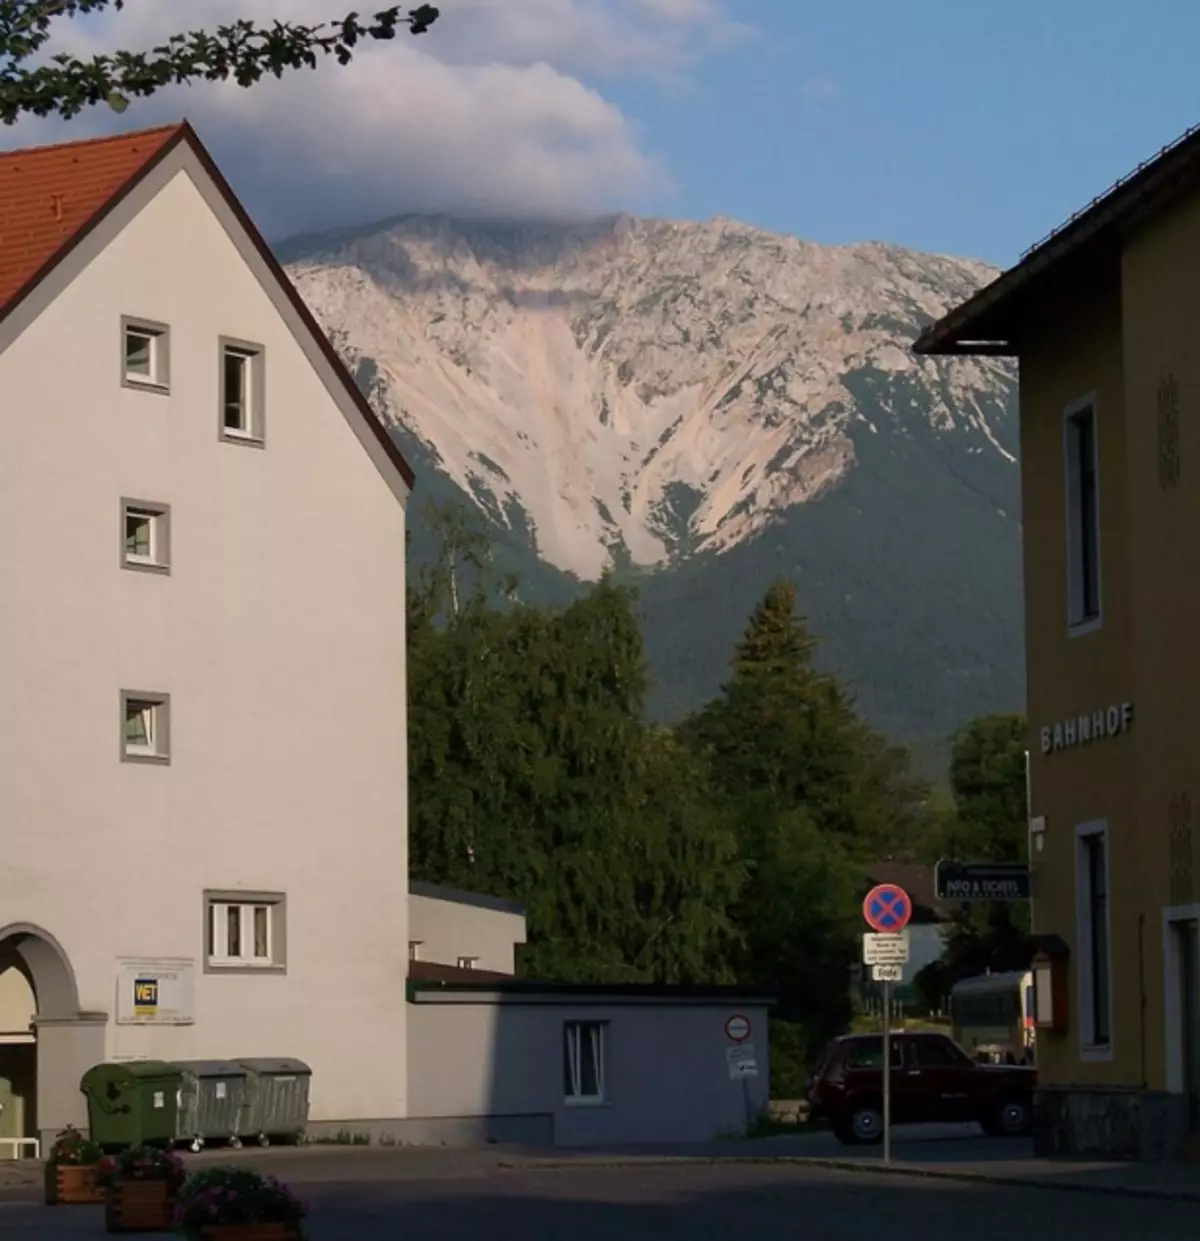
(373, 1194)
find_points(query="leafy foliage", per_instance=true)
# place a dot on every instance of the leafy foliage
(727, 849)
(240, 51)
(142, 1163)
(216, 1196)
(989, 823)
(71, 1147)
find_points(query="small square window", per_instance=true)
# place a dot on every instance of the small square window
(145, 535)
(242, 392)
(467, 963)
(145, 354)
(244, 931)
(414, 949)
(145, 727)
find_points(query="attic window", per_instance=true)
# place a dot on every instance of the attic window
(242, 392)
(145, 354)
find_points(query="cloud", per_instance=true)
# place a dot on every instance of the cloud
(823, 87)
(499, 110)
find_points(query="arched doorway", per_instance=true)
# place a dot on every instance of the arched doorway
(46, 1043)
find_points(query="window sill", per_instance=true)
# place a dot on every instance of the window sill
(1080, 629)
(239, 437)
(132, 756)
(212, 966)
(146, 566)
(142, 384)
(1096, 1053)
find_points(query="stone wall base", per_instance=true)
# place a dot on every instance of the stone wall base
(532, 1131)
(1114, 1123)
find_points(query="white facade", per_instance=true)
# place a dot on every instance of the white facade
(464, 929)
(276, 641)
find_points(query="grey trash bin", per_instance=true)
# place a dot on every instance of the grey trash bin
(278, 1098)
(213, 1102)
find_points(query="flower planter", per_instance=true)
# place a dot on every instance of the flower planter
(72, 1184)
(249, 1232)
(140, 1205)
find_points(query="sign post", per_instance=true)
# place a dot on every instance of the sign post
(887, 909)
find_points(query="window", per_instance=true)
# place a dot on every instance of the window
(867, 1053)
(145, 727)
(414, 949)
(145, 536)
(1094, 930)
(583, 1061)
(937, 1053)
(242, 392)
(145, 354)
(1083, 516)
(244, 930)
(467, 963)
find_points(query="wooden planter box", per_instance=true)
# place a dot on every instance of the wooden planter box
(249, 1232)
(142, 1205)
(72, 1184)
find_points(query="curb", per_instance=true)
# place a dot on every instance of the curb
(869, 1169)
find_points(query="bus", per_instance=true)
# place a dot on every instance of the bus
(992, 1016)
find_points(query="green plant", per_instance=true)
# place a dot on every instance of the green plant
(71, 1147)
(142, 1163)
(235, 1196)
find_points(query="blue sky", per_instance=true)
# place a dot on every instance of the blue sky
(958, 126)
(949, 125)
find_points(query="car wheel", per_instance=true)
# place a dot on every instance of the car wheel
(1012, 1118)
(866, 1124)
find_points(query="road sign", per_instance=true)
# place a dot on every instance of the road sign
(887, 973)
(885, 949)
(982, 881)
(741, 1061)
(737, 1028)
(887, 908)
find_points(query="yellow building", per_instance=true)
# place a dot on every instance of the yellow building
(1104, 317)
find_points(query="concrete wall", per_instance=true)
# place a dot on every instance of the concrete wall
(448, 925)
(279, 634)
(667, 1077)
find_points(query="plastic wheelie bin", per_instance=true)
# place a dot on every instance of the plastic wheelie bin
(278, 1091)
(135, 1103)
(212, 1103)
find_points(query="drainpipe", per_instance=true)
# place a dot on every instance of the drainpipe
(1029, 840)
(1142, 992)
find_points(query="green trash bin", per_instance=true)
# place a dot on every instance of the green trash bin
(133, 1104)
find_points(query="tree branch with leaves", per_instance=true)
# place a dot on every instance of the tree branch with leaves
(240, 51)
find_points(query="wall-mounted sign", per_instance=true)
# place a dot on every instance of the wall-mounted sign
(155, 991)
(1109, 721)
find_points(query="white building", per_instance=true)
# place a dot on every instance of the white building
(203, 778)
(202, 647)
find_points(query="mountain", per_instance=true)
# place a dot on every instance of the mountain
(704, 406)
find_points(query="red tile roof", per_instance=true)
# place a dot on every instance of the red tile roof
(48, 195)
(51, 196)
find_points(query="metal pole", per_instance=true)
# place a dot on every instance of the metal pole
(887, 1072)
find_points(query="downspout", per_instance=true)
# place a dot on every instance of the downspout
(1142, 993)
(1029, 839)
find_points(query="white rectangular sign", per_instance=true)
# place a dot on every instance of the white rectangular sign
(741, 1061)
(887, 973)
(885, 949)
(156, 991)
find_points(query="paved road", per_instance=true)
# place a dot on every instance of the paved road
(379, 1195)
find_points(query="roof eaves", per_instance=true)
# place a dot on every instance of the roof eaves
(1119, 204)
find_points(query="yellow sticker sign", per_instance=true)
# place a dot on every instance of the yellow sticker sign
(145, 997)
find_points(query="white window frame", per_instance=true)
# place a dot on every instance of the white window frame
(1089, 1048)
(158, 749)
(216, 944)
(159, 337)
(253, 428)
(1079, 622)
(468, 963)
(414, 949)
(159, 516)
(580, 1037)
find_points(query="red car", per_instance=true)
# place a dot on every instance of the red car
(932, 1081)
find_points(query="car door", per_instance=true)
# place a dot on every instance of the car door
(941, 1068)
